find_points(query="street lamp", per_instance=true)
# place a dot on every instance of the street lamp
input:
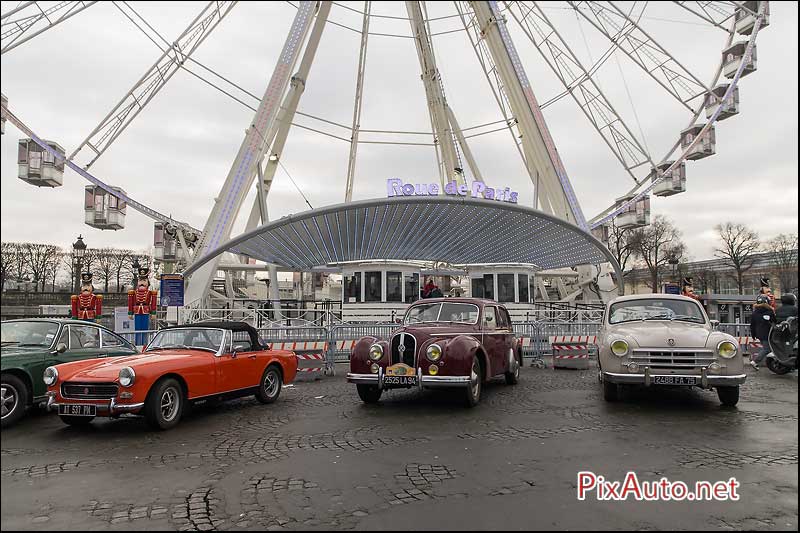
(136, 267)
(27, 284)
(674, 262)
(79, 250)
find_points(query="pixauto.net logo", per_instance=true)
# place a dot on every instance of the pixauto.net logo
(660, 490)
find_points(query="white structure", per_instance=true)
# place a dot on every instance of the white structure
(636, 214)
(39, 167)
(733, 56)
(378, 290)
(714, 100)
(705, 147)
(102, 210)
(165, 243)
(673, 182)
(746, 15)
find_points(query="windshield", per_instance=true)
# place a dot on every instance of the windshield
(655, 309)
(188, 338)
(33, 333)
(442, 312)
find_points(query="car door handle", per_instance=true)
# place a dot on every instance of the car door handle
(252, 356)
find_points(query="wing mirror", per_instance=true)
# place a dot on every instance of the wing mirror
(60, 348)
(715, 324)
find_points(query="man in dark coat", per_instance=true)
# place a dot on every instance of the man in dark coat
(760, 324)
(788, 307)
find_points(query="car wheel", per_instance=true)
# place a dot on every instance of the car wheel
(512, 378)
(473, 393)
(728, 396)
(270, 387)
(369, 393)
(13, 399)
(76, 420)
(778, 367)
(164, 406)
(610, 391)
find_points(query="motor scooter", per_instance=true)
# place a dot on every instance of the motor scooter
(783, 343)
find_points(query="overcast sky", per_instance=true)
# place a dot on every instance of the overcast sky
(176, 154)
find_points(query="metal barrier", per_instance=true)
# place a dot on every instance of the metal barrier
(130, 336)
(343, 337)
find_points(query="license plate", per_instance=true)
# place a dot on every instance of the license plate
(674, 380)
(399, 381)
(77, 410)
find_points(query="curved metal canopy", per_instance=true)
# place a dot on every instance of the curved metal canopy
(459, 231)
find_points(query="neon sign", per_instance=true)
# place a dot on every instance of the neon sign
(396, 187)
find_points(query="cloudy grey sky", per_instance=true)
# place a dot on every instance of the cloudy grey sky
(176, 154)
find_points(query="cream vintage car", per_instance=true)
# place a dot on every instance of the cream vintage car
(664, 339)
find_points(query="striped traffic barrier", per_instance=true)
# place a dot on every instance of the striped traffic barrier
(571, 351)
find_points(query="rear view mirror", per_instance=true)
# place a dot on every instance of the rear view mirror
(61, 347)
(714, 324)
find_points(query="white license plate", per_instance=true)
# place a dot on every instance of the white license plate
(73, 409)
(674, 380)
(399, 381)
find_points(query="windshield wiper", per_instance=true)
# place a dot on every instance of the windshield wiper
(30, 344)
(658, 317)
(689, 318)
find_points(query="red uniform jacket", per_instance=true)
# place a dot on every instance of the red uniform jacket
(87, 306)
(142, 301)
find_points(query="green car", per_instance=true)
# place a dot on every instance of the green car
(31, 345)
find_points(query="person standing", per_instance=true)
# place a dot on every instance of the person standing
(760, 324)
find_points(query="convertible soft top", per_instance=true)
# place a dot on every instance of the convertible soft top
(235, 326)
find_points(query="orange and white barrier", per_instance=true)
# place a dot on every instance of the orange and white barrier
(571, 351)
(317, 359)
(300, 346)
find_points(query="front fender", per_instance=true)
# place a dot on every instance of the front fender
(360, 362)
(457, 356)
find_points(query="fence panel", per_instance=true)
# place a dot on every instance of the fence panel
(342, 337)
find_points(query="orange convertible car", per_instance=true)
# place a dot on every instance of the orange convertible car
(208, 360)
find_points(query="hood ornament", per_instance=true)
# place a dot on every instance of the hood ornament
(671, 342)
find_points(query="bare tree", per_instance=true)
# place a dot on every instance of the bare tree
(70, 264)
(783, 248)
(104, 265)
(656, 244)
(738, 248)
(707, 281)
(10, 262)
(621, 245)
(121, 260)
(39, 259)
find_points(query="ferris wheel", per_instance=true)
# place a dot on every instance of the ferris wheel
(619, 33)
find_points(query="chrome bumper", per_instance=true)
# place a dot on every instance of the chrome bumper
(425, 382)
(110, 408)
(646, 379)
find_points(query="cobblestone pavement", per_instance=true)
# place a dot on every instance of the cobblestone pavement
(320, 459)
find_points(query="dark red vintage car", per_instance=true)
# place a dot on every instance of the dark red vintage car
(444, 342)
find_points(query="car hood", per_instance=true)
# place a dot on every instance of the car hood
(423, 332)
(108, 368)
(657, 333)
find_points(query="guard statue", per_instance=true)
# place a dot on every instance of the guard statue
(87, 305)
(141, 305)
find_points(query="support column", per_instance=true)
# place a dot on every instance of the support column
(362, 60)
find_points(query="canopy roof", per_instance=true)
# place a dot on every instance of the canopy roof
(458, 231)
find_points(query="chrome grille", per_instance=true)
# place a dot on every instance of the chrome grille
(89, 391)
(409, 343)
(673, 358)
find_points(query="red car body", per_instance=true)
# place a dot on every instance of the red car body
(473, 349)
(236, 369)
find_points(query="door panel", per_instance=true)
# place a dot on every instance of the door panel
(492, 342)
(239, 372)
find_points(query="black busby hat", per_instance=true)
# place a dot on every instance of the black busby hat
(86, 277)
(687, 282)
(144, 272)
(764, 282)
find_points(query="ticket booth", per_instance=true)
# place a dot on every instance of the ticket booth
(379, 291)
(511, 286)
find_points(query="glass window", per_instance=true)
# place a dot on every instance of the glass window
(489, 318)
(188, 338)
(36, 160)
(84, 337)
(655, 309)
(442, 312)
(522, 285)
(394, 286)
(478, 288)
(412, 288)
(503, 321)
(22, 154)
(532, 288)
(352, 288)
(48, 157)
(372, 286)
(33, 333)
(111, 340)
(488, 284)
(505, 287)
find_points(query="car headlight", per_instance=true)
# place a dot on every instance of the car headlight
(127, 376)
(727, 349)
(434, 352)
(619, 347)
(375, 352)
(50, 376)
